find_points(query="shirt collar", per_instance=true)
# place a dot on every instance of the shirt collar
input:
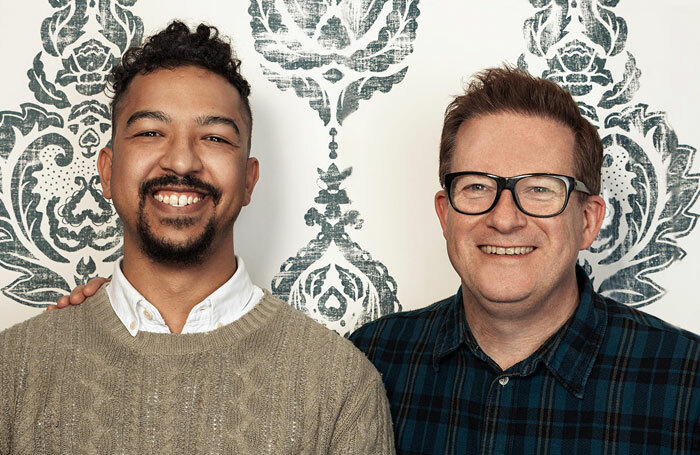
(569, 354)
(453, 330)
(575, 346)
(225, 305)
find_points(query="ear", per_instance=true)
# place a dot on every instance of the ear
(104, 168)
(593, 216)
(442, 207)
(251, 178)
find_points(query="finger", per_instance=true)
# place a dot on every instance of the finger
(62, 302)
(51, 307)
(76, 295)
(94, 285)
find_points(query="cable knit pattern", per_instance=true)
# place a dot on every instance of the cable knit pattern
(274, 382)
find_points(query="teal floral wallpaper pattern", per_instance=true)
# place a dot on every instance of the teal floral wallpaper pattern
(57, 230)
(52, 210)
(335, 54)
(647, 182)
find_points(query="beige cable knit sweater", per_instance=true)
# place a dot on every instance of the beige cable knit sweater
(274, 382)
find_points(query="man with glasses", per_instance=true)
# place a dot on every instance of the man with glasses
(526, 357)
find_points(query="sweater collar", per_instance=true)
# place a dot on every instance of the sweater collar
(102, 318)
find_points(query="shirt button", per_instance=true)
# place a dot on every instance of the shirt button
(219, 325)
(503, 381)
(148, 315)
(132, 326)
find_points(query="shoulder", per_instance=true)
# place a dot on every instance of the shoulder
(648, 330)
(50, 327)
(429, 315)
(403, 327)
(315, 346)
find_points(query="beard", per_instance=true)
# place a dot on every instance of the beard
(164, 251)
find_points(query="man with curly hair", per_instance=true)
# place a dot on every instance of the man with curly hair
(181, 353)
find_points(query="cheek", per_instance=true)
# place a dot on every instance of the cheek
(458, 235)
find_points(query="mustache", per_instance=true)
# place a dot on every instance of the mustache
(188, 181)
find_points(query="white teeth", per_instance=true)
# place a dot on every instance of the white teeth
(177, 201)
(510, 251)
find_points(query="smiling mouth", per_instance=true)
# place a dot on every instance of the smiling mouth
(506, 251)
(178, 198)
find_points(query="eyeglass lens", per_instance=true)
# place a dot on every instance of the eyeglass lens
(538, 195)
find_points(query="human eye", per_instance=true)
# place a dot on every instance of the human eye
(474, 186)
(217, 139)
(543, 187)
(148, 133)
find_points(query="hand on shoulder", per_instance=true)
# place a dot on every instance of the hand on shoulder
(79, 293)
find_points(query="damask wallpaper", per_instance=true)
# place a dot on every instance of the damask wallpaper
(348, 97)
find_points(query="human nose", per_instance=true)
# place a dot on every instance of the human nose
(506, 216)
(181, 157)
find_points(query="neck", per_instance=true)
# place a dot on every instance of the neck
(175, 289)
(510, 332)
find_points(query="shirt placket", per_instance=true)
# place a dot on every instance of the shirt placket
(499, 403)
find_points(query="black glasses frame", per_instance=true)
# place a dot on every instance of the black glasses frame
(508, 183)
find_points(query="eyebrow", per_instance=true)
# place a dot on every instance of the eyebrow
(218, 120)
(155, 115)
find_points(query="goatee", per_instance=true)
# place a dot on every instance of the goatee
(189, 253)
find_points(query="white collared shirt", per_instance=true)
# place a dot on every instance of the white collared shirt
(228, 303)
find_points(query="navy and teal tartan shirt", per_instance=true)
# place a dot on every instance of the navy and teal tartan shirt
(612, 380)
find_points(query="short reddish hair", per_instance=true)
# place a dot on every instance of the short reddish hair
(509, 89)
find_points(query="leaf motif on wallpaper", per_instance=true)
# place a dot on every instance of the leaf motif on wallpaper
(588, 111)
(546, 27)
(64, 27)
(119, 25)
(304, 87)
(31, 116)
(604, 27)
(363, 89)
(623, 91)
(44, 91)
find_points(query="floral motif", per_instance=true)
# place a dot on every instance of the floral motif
(335, 53)
(332, 278)
(87, 67)
(647, 182)
(324, 42)
(56, 228)
(576, 67)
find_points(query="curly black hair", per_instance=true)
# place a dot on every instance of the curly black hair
(177, 46)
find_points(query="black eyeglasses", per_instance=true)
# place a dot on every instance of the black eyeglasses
(540, 195)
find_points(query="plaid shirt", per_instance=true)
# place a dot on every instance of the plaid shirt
(612, 380)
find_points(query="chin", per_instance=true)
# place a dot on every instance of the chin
(192, 250)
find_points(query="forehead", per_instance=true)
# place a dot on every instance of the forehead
(509, 144)
(184, 93)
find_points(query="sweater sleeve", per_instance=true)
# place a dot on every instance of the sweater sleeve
(364, 426)
(7, 390)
